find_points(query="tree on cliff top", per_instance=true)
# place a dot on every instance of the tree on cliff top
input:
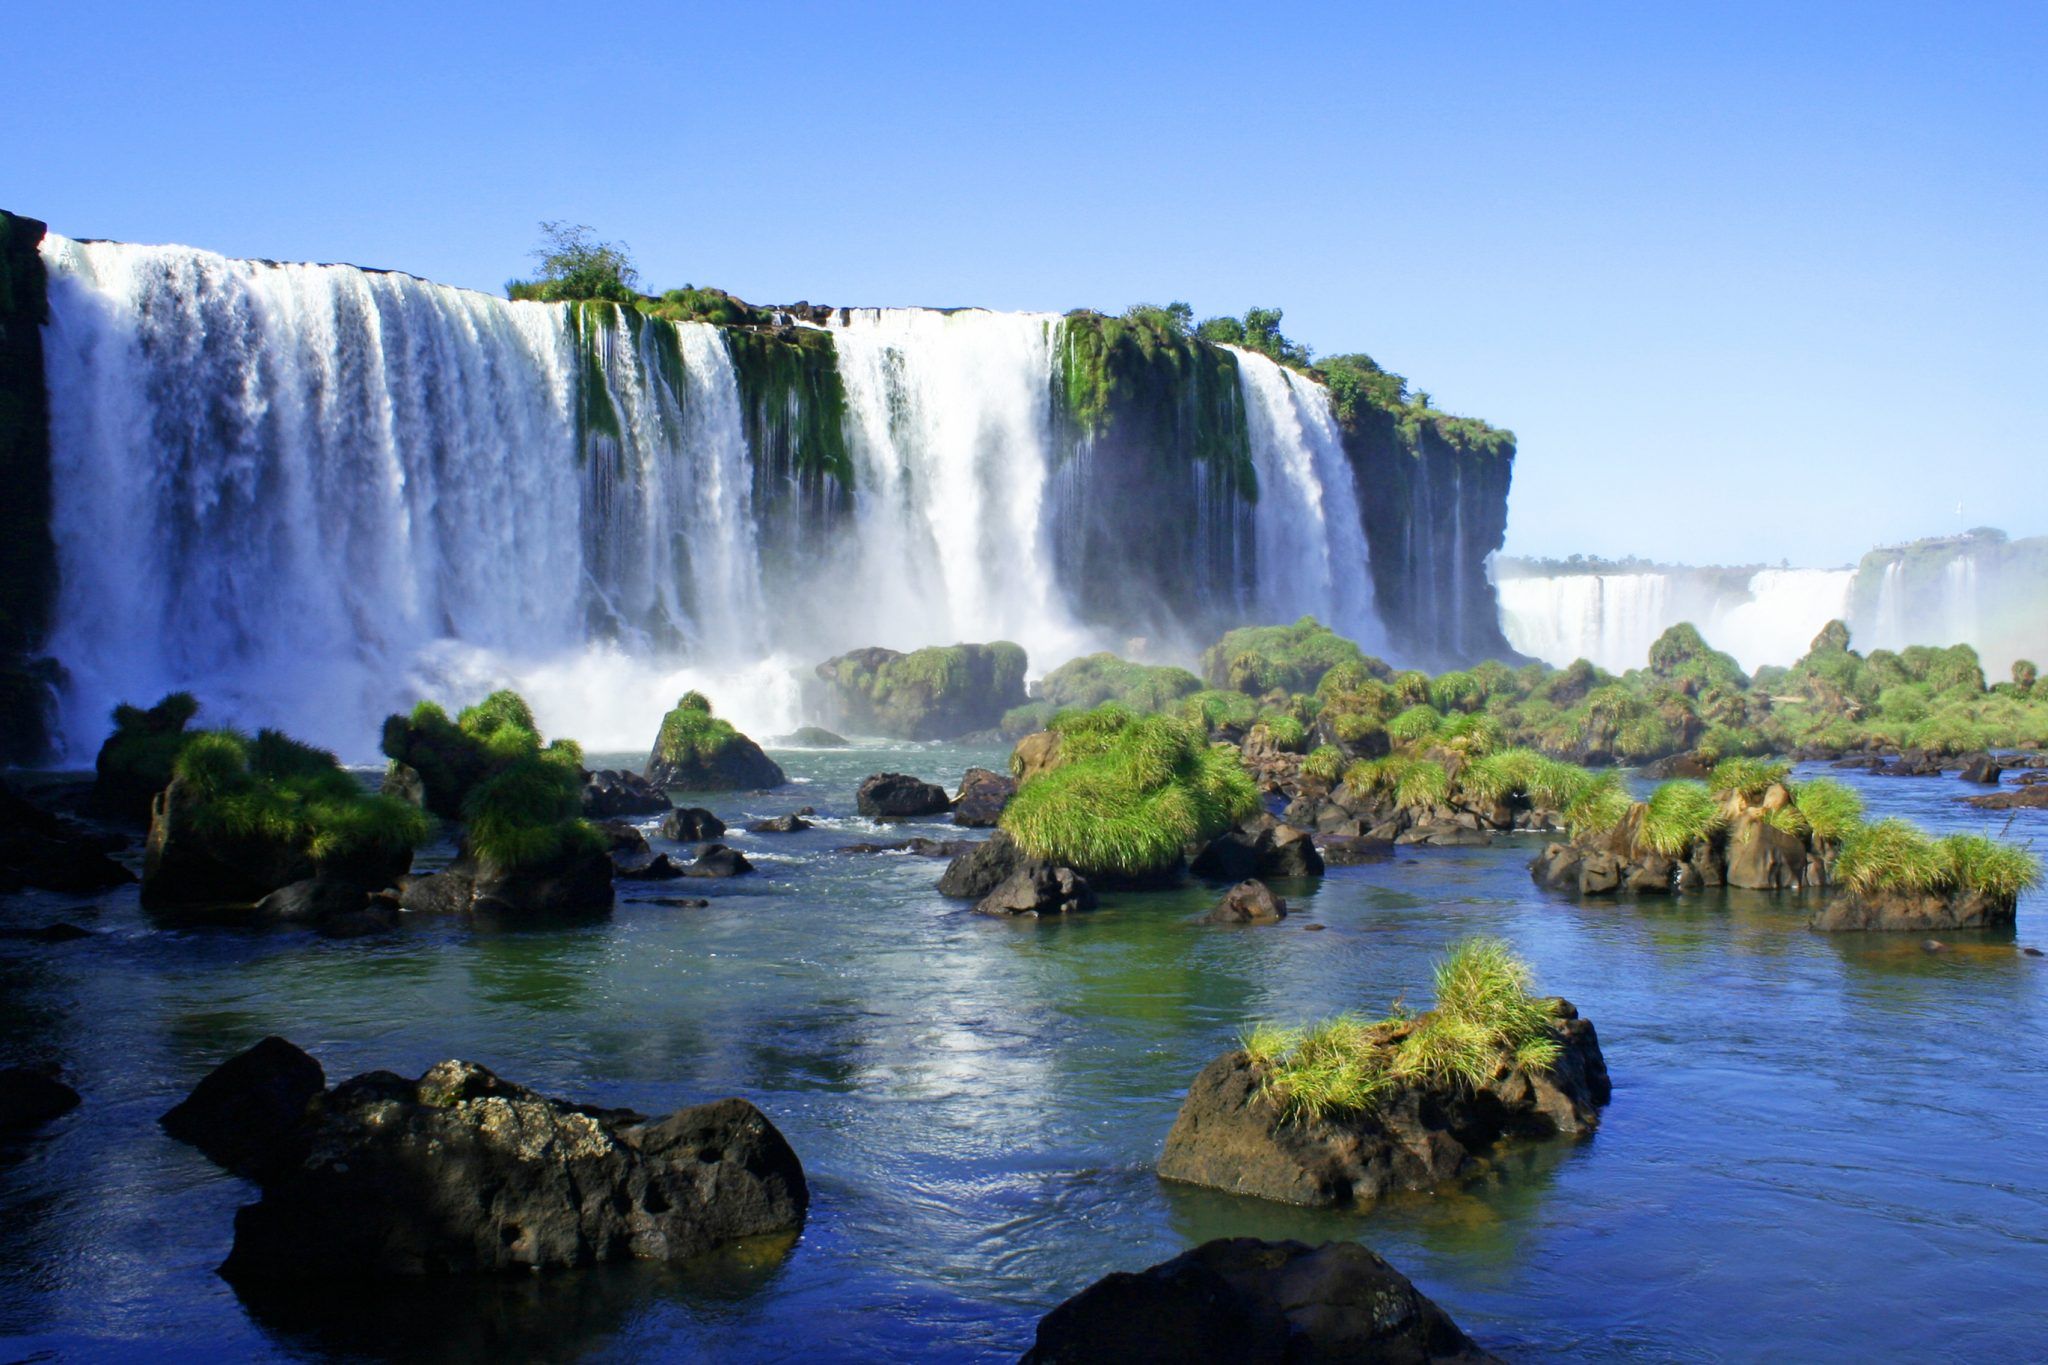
(574, 264)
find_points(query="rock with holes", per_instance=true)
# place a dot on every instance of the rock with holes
(462, 1172)
(1233, 1135)
(1242, 1301)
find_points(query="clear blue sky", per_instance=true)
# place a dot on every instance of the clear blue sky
(1751, 281)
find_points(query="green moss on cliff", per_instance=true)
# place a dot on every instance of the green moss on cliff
(794, 401)
(938, 692)
(1144, 370)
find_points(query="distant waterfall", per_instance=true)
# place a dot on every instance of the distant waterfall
(1770, 617)
(311, 494)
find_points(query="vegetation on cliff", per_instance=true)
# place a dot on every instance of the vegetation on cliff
(1127, 793)
(939, 692)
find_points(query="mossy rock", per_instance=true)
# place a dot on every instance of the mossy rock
(812, 737)
(1260, 659)
(697, 751)
(940, 692)
(1084, 683)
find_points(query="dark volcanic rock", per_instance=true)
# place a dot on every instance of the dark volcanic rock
(919, 847)
(659, 868)
(982, 868)
(1231, 1135)
(898, 796)
(38, 849)
(460, 1171)
(1037, 889)
(246, 1111)
(1242, 1301)
(437, 893)
(1982, 769)
(2031, 797)
(812, 737)
(981, 799)
(781, 824)
(188, 862)
(608, 794)
(1249, 902)
(576, 887)
(1258, 847)
(1354, 850)
(311, 901)
(1912, 911)
(691, 825)
(30, 1098)
(719, 861)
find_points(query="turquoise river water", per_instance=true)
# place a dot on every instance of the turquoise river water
(1819, 1146)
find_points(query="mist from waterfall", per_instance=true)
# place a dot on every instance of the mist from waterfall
(1613, 619)
(313, 494)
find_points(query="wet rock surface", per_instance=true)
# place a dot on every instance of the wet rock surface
(1039, 889)
(982, 796)
(1249, 902)
(460, 1171)
(899, 796)
(1243, 1301)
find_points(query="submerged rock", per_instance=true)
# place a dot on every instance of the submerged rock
(1242, 1301)
(460, 1171)
(575, 886)
(983, 795)
(1232, 1135)
(1982, 769)
(719, 861)
(918, 848)
(781, 824)
(691, 825)
(1913, 911)
(659, 868)
(30, 1098)
(437, 893)
(1039, 889)
(1249, 902)
(899, 796)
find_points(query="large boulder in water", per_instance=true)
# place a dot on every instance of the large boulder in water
(575, 884)
(1232, 1134)
(1038, 889)
(30, 1098)
(941, 692)
(460, 1171)
(1259, 846)
(246, 1113)
(979, 870)
(982, 796)
(1913, 911)
(608, 794)
(691, 825)
(1249, 902)
(899, 796)
(1242, 1301)
(699, 752)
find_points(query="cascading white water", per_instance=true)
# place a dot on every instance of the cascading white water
(311, 494)
(951, 427)
(1785, 609)
(1607, 619)
(1311, 549)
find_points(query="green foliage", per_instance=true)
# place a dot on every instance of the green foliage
(1128, 792)
(1508, 774)
(1679, 815)
(2024, 676)
(277, 790)
(526, 815)
(139, 755)
(1259, 659)
(1471, 733)
(1457, 691)
(1485, 1021)
(1217, 710)
(1098, 678)
(1325, 764)
(690, 735)
(1830, 808)
(1890, 855)
(575, 264)
(1414, 725)
(1284, 732)
(1599, 805)
(2000, 871)
(1682, 653)
(1180, 395)
(793, 405)
(1750, 777)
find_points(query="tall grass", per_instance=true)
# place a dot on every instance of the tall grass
(277, 790)
(1678, 816)
(1832, 809)
(1749, 777)
(1892, 855)
(1599, 805)
(1485, 1020)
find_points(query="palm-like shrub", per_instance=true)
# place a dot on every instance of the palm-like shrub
(1127, 793)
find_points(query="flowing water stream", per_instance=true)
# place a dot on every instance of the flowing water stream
(1819, 1146)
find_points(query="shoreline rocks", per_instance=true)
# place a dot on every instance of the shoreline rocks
(1243, 1301)
(982, 796)
(1258, 847)
(1039, 889)
(899, 796)
(1912, 911)
(462, 1172)
(1231, 1135)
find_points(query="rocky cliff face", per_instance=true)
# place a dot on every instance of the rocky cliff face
(28, 564)
(1435, 500)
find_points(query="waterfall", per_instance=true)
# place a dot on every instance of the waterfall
(1785, 609)
(311, 494)
(1608, 619)
(1310, 539)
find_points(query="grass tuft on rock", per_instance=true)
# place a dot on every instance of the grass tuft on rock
(1127, 793)
(1485, 1018)
(1679, 815)
(277, 790)
(1749, 777)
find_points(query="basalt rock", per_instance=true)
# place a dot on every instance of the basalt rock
(1232, 1135)
(982, 797)
(781, 824)
(899, 796)
(1982, 769)
(1762, 857)
(719, 861)
(30, 1098)
(437, 893)
(1913, 911)
(1036, 753)
(577, 886)
(609, 794)
(39, 849)
(1355, 850)
(2033, 796)
(462, 1172)
(1258, 847)
(659, 868)
(1242, 1301)
(975, 873)
(1249, 902)
(699, 752)
(246, 1113)
(691, 825)
(1039, 889)
(189, 863)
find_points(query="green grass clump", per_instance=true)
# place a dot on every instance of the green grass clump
(1998, 870)
(1890, 855)
(1545, 783)
(1599, 805)
(526, 815)
(1485, 1017)
(1405, 779)
(691, 734)
(1750, 777)
(1679, 815)
(1127, 794)
(1215, 710)
(1258, 659)
(1415, 725)
(1470, 732)
(274, 789)
(1831, 809)
(1324, 764)
(1098, 678)
(1285, 732)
